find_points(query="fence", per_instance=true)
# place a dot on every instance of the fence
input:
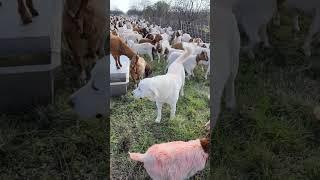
(196, 28)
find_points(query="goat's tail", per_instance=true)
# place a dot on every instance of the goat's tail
(137, 157)
(183, 57)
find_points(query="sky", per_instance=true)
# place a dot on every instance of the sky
(123, 5)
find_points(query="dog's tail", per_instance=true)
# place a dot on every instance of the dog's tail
(182, 58)
(147, 71)
(137, 156)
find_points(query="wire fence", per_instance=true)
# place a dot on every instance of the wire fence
(197, 28)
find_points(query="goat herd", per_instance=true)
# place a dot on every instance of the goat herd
(132, 38)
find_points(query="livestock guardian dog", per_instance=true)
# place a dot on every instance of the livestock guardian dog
(176, 160)
(165, 88)
(226, 58)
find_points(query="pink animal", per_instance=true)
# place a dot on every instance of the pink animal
(176, 160)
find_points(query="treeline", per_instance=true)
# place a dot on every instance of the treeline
(181, 9)
(116, 12)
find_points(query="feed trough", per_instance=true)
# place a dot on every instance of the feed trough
(29, 54)
(119, 78)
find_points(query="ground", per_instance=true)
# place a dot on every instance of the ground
(275, 135)
(50, 142)
(133, 126)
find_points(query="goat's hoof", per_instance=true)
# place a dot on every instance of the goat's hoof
(26, 17)
(307, 52)
(83, 36)
(34, 12)
(26, 21)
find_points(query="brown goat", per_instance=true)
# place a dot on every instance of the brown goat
(114, 33)
(177, 46)
(156, 39)
(150, 36)
(203, 56)
(118, 47)
(85, 51)
(26, 11)
(139, 69)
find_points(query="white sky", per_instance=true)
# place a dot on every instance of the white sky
(123, 5)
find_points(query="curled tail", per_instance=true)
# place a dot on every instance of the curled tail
(137, 157)
(183, 57)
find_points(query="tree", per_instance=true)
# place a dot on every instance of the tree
(116, 12)
(162, 7)
(134, 11)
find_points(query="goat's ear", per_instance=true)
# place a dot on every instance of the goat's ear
(205, 144)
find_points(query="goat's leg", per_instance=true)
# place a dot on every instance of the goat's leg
(207, 73)
(182, 87)
(150, 55)
(277, 19)
(159, 107)
(118, 62)
(253, 34)
(30, 6)
(296, 23)
(220, 78)
(134, 82)
(79, 18)
(83, 6)
(173, 110)
(230, 98)
(264, 36)
(314, 28)
(24, 13)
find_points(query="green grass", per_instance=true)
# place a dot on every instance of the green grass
(133, 126)
(276, 135)
(52, 143)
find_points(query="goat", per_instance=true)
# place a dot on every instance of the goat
(118, 47)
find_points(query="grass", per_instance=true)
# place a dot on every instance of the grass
(133, 126)
(52, 143)
(275, 135)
